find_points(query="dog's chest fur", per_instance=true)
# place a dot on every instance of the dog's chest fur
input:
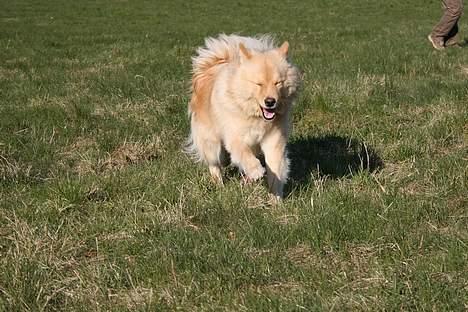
(254, 134)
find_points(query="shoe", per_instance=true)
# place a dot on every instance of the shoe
(452, 42)
(436, 43)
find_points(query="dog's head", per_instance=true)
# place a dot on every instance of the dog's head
(269, 82)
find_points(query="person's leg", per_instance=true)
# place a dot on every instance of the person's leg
(452, 37)
(447, 26)
(457, 7)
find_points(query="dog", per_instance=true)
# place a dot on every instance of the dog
(242, 92)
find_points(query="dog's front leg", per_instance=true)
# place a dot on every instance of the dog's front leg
(243, 157)
(277, 163)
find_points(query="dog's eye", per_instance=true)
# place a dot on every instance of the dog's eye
(279, 83)
(260, 84)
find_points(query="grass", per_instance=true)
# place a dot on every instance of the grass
(100, 210)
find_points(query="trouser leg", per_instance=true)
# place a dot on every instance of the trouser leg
(447, 26)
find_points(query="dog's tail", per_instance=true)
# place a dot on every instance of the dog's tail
(205, 66)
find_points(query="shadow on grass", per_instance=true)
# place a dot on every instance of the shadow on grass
(333, 156)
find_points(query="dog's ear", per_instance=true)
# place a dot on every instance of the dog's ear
(283, 49)
(244, 53)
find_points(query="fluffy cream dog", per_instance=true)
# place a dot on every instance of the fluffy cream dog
(242, 93)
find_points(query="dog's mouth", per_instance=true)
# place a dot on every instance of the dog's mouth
(268, 113)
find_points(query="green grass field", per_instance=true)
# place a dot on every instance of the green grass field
(101, 211)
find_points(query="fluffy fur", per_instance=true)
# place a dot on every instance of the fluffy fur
(242, 93)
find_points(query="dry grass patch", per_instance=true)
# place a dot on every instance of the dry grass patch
(257, 196)
(174, 216)
(117, 236)
(11, 170)
(134, 298)
(459, 233)
(163, 213)
(279, 288)
(83, 155)
(464, 69)
(84, 73)
(352, 301)
(366, 83)
(143, 110)
(287, 219)
(11, 74)
(397, 172)
(354, 268)
(45, 245)
(302, 256)
(131, 153)
(255, 252)
(36, 260)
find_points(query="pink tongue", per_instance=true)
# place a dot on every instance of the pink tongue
(268, 114)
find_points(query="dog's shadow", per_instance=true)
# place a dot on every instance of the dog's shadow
(332, 156)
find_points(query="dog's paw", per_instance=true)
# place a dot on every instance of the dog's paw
(255, 173)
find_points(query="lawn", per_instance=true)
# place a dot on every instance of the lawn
(100, 210)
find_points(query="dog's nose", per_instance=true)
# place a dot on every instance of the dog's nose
(270, 102)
